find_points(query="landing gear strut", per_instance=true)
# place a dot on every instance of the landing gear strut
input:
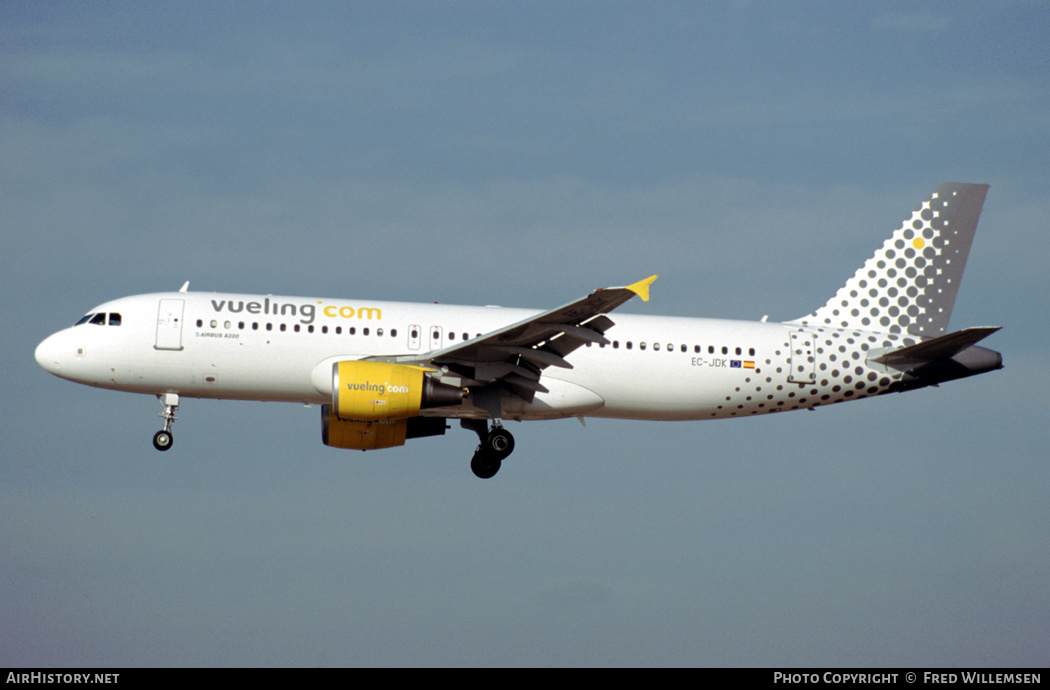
(163, 439)
(495, 445)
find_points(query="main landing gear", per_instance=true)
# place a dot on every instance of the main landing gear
(163, 439)
(495, 444)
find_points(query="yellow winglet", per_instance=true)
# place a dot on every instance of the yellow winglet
(641, 288)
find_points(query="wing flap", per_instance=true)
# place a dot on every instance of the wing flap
(581, 333)
(529, 384)
(535, 355)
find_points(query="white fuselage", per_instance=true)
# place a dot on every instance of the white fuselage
(272, 348)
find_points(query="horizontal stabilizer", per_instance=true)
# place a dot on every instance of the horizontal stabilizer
(943, 347)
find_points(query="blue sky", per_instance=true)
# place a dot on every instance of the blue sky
(751, 153)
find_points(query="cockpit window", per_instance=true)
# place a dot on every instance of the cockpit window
(100, 319)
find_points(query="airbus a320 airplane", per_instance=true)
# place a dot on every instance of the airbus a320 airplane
(384, 372)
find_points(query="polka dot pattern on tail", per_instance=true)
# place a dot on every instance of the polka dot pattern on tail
(909, 285)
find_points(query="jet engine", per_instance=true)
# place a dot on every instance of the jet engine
(376, 405)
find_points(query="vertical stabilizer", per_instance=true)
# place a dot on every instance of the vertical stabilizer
(910, 283)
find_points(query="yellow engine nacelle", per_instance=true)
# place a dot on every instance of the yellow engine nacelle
(368, 391)
(361, 435)
(376, 405)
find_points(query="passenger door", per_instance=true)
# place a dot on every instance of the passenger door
(169, 324)
(803, 358)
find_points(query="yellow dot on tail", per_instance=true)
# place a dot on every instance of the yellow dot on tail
(918, 243)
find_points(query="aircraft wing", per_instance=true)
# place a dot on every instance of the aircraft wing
(515, 355)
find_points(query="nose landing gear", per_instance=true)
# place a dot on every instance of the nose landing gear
(495, 445)
(162, 440)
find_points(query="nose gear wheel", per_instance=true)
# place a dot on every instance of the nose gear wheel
(163, 439)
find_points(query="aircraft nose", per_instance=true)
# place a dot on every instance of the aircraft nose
(50, 354)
